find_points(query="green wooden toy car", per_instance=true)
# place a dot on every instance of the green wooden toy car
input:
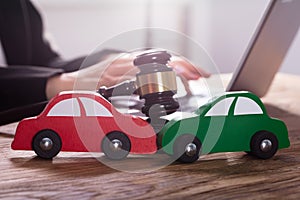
(234, 121)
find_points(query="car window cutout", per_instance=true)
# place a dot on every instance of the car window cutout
(246, 106)
(67, 107)
(94, 108)
(221, 108)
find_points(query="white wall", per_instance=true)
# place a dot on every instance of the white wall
(223, 27)
(230, 27)
(78, 26)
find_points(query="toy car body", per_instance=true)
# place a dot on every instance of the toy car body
(81, 122)
(235, 121)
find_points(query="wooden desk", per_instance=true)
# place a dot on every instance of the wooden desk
(217, 176)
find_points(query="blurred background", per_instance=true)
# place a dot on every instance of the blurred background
(223, 28)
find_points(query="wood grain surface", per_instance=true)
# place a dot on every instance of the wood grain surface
(216, 176)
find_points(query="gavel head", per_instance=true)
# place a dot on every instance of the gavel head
(156, 82)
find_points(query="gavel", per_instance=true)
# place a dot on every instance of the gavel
(155, 82)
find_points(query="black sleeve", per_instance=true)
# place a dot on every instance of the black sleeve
(29, 57)
(23, 81)
(21, 33)
(21, 85)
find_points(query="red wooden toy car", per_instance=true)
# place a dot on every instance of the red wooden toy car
(81, 122)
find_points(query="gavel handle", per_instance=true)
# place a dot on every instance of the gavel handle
(122, 89)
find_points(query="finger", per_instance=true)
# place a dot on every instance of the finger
(121, 69)
(189, 69)
(109, 81)
(186, 85)
(125, 78)
(183, 72)
(123, 58)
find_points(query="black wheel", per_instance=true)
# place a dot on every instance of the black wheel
(264, 145)
(187, 148)
(116, 145)
(46, 144)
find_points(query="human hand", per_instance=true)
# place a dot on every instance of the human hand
(187, 71)
(122, 69)
(108, 72)
(116, 69)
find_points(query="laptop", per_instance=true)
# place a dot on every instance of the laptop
(268, 47)
(261, 61)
